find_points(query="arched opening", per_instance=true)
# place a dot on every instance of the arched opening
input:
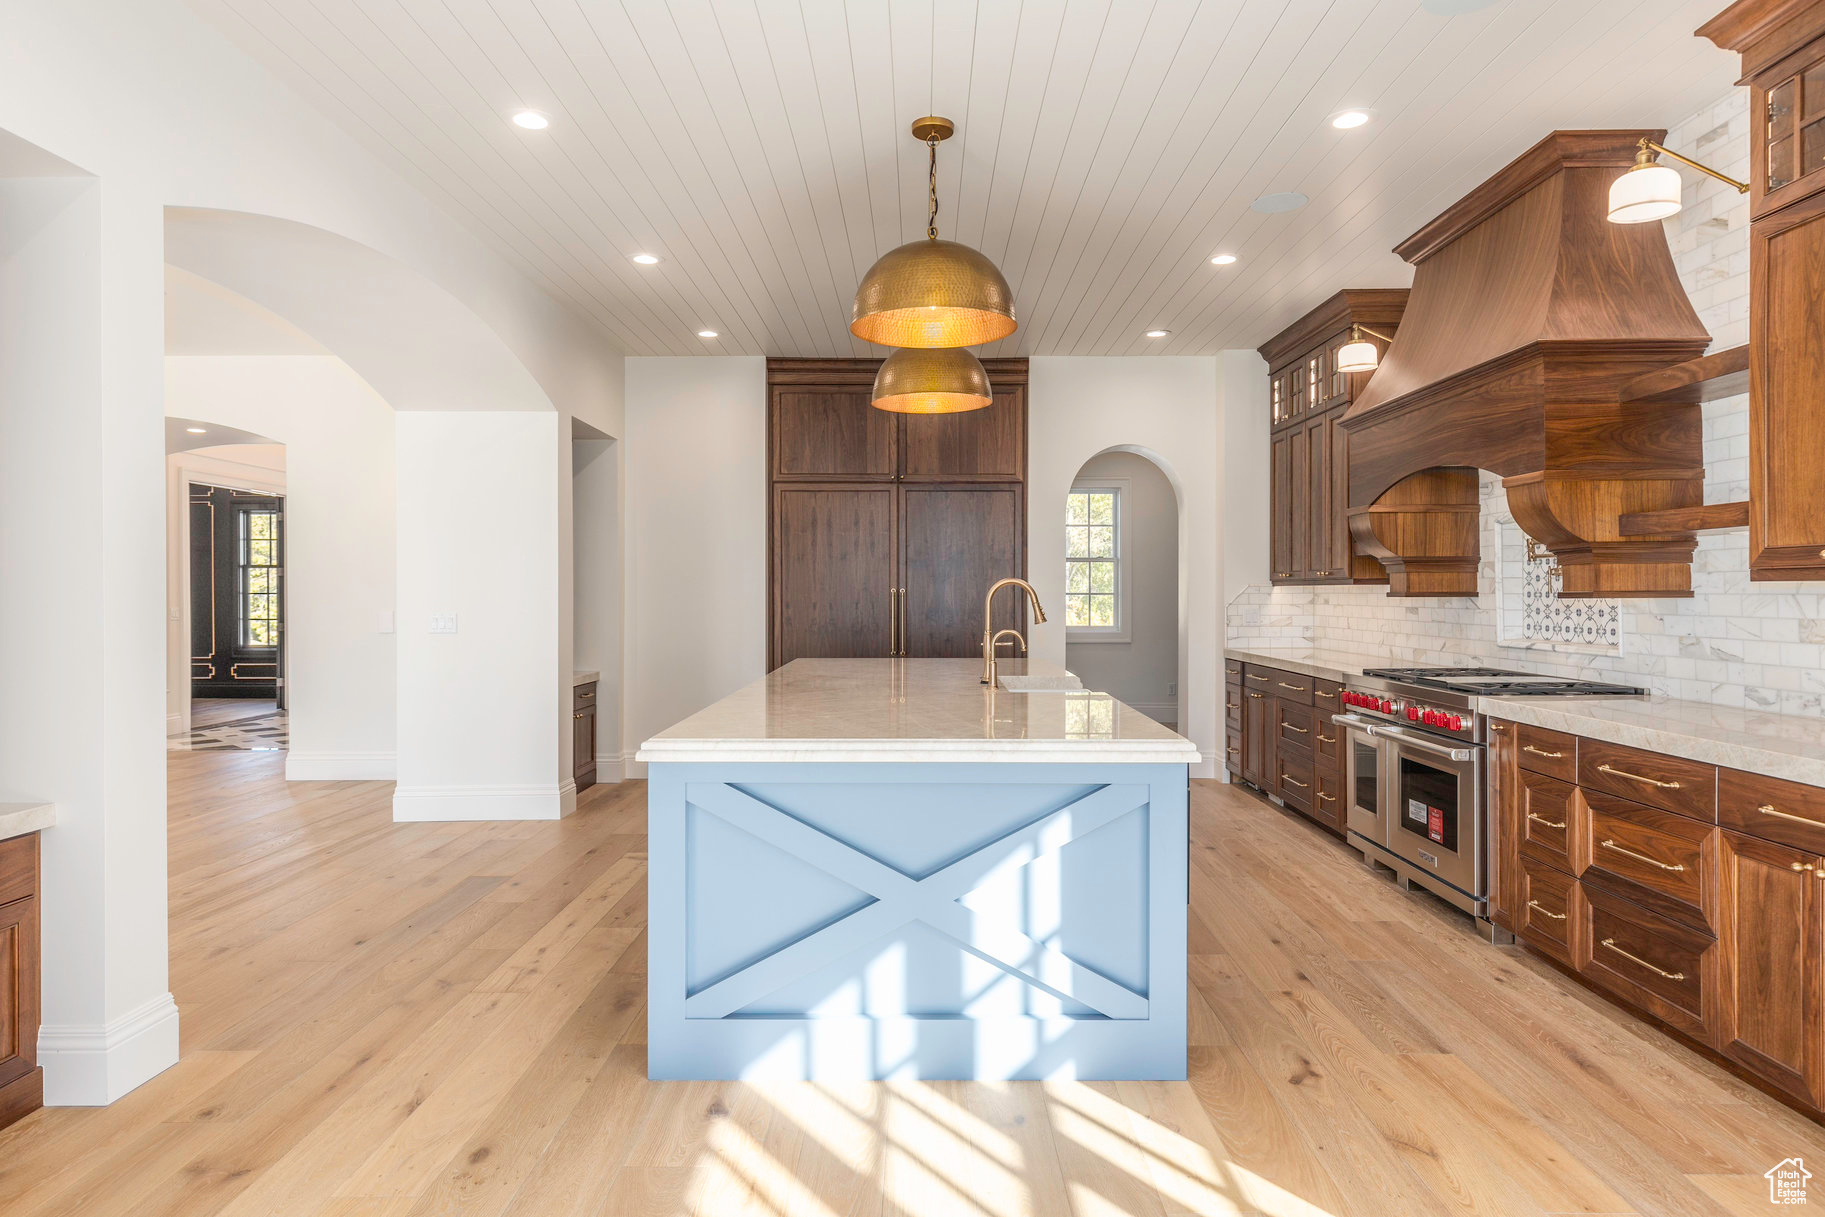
(1124, 609)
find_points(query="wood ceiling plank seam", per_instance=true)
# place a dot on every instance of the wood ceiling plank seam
(959, 179)
(741, 328)
(1278, 49)
(670, 59)
(828, 289)
(482, 182)
(878, 140)
(1525, 127)
(802, 75)
(1119, 179)
(994, 56)
(910, 51)
(1312, 221)
(660, 291)
(453, 191)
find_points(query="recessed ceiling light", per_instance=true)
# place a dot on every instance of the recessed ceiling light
(706, 333)
(1223, 260)
(197, 430)
(1286, 200)
(532, 120)
(1350, 119)
(1158, 333)
(647, 259)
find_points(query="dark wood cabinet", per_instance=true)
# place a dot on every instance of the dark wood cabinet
(1309, 452)
(583, 735)
(1283, 742)
(21, 1080)
(1773, 949)
(886, 530)
(1258, 715)
(1782, 43)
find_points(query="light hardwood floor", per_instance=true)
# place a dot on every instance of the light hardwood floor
(385, 1020)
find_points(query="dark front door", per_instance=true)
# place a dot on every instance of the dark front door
(236, 607)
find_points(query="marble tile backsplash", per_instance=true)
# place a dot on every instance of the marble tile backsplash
(1737, 643)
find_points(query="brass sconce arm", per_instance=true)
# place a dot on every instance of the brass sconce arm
(1648, 144)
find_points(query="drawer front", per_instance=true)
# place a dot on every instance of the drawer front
(1232, 670)
(1661, 966)
(1550, 752)
(1772, 809)
(1552, 912)
(1257, 679)
(1327, 740)
(1662, 861)
(1667, 782)
(1552, 822)
(583, 696)
(18, 868)
(1327, 697)
(1294, 780)
(1297, 726)
(1328, 806)
(1292, 687)
(1232, 705)
(1232, 753)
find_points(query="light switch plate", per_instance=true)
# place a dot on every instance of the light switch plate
(1251, 616)
(443, 623)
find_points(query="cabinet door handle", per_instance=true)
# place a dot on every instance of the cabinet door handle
(1233, 705)
(1537, 907)
(1327, 739)
(1300, 730)
(902, 621)
(1768, 809)
(1636, 777)
(1329, 798)
(1541, 751)
(1295, 782)
(1611, 944)
(1503, 727)
(1674, 866)
(1549, 823)
(1256, 696)
(893, 621)
(1294, 688)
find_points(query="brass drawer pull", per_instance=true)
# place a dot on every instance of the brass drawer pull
(1295, 781)
(1502, 727)
(1611, 944)
(1294, 688)
(1768, 809)
(1539, 819)
(1300, 730)
(1537, 907)
(1233, 705)
(1322, 693)
(1252, 676)
(1327, 739)
(1636, 777)
(1541, 751)
(1329, 798)
(1609, 844)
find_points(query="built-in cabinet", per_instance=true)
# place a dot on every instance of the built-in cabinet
(583, 734)
(21, 1080)
(1694, 894)
(1309, 456)
(1281, 740)
(1783, 53)
(886, 530)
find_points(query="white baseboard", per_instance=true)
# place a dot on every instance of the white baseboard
(1159, 711)
(312, 766)
(427, 803)
(91, 1066)
(567, 797)
(174, 724)
(631, 769)
(612, 766)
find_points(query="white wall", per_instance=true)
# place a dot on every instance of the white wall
(1144, 670)
(696, 536)
(1167, 408)
(340, 540)
(478, 538)
(1247, 473)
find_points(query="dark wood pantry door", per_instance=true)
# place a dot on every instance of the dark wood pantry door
(958, 540)
(834, 571)
(236, 601)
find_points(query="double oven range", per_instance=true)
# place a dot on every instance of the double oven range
(1416, 774)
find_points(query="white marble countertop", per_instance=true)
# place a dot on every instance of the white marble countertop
(1328, 665)
(583, 678)
(17, 819)
(887, 710)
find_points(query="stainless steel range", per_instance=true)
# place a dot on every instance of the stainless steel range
(1415, 772)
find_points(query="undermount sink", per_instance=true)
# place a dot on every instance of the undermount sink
(1041, 684)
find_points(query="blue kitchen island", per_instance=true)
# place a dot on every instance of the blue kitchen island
(881, 868)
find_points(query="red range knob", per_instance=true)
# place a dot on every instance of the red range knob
(1413, 713)
(1457, 722)
(1349, 698)
(1387, 705)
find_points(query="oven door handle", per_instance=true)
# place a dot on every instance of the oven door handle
(1424, 745)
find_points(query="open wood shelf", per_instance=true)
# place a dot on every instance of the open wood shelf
(1684, 519)
(1710, 377)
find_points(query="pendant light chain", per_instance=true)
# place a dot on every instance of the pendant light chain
(931, 218)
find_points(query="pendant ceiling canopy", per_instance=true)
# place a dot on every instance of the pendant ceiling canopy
(933, 293)
(943, 380)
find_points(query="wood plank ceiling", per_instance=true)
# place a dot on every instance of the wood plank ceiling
(1105, 148)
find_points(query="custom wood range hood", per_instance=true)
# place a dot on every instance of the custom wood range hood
(1529, 315)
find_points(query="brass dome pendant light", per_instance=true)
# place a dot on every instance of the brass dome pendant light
(932, 293)
(931, 380)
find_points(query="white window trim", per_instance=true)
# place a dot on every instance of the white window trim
(1120, 633)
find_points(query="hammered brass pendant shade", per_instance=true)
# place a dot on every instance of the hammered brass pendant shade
(933, 293)
(938, 380)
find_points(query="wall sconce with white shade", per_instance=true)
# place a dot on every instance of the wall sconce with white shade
(1359, 354)
(1650, 190)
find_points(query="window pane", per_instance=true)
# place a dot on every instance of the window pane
(1102, 610)
(1077, 577)
(260, 579)
(259, 553)
(1077, 610)
(1102, 576)
(1077, 509)
(1102, 509)
(1077, 542)
(1102, 542)
(259, 525)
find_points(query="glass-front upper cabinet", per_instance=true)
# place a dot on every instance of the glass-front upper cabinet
(1792, 143)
